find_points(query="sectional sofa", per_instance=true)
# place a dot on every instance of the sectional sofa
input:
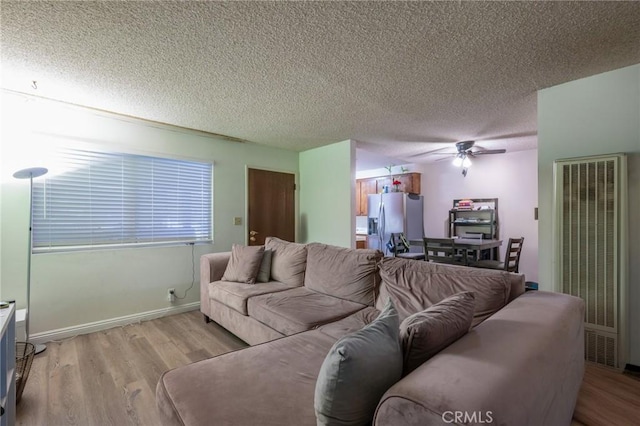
(521, 363)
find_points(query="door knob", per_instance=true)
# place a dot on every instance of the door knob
(253, 235)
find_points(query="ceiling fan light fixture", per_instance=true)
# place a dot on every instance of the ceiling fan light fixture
(466, 162)
(458, 160)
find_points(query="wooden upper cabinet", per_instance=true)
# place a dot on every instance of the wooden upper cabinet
(367, 186)
(410, 182)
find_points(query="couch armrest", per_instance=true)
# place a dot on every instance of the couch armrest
(522, 366)
(212, 267)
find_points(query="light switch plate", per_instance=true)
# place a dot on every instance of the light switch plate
(237, 220)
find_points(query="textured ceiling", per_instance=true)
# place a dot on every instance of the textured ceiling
(400, 78)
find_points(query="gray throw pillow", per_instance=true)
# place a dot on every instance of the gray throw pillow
(244, 264)
(426, 333)
(264, 273)
(357, 371)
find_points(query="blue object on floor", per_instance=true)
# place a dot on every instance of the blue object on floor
(530, 285)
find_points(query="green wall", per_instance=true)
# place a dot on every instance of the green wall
(327, 194)
(592, 116)
(75, 288)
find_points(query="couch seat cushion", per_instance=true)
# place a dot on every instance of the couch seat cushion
(299, 309)
(235, 295)
(353, 322)
(271, 384)
(341, 272)
(414, 286)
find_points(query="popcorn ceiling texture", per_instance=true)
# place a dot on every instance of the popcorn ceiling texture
(400, 78)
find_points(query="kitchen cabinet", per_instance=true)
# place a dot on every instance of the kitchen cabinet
(361, 243)
(409, 182)
(364, 187)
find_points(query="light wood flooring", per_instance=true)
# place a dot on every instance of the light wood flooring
(109, 377)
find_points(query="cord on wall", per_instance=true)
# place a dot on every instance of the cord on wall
(193, 272)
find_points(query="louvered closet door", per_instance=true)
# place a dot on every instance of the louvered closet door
(589, 262)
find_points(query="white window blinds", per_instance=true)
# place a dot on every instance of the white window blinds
(98, 199)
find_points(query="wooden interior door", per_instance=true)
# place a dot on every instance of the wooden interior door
(271, 209)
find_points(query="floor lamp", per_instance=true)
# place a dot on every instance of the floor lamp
(30, 173)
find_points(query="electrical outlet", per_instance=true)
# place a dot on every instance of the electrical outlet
(171, 295)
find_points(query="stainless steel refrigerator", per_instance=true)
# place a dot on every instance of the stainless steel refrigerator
(394, 212)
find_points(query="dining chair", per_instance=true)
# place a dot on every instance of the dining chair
(442, 250)
(511, 258)
(400, 247)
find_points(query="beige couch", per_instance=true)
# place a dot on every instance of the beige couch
(522, 363)
(310, 286)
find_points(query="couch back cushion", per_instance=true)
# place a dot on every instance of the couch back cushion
(415, 285)
(342, 272)
(427, 332)
(288, 261)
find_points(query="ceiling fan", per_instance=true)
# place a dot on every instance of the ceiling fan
(464, 150)
(462, 158)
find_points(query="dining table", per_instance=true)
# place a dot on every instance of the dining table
(473, 246)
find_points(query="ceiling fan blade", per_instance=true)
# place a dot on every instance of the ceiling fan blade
(488, 151)
(434, 151)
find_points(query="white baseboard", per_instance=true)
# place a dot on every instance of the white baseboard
(64, 333)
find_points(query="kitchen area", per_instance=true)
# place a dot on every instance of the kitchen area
(391, 210)
(510, 178)
(388, 204)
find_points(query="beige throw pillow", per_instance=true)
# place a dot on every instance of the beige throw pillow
(244, 264)
(426, 333)
(288, 261)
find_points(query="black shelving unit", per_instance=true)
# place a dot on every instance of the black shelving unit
(481, 218)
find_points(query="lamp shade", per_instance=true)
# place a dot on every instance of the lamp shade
(32, 172)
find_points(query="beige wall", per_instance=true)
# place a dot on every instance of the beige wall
(75, 288)
(592, 116)
(510, 177)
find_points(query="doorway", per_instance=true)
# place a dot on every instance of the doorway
(270, 206)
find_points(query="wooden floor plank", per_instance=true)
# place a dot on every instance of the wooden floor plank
(140, 403)
(109, 377)
(117, 354)
(100, 391)
(66, 397)
(150, 364)
(607, 397)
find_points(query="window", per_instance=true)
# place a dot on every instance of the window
(99, 199)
